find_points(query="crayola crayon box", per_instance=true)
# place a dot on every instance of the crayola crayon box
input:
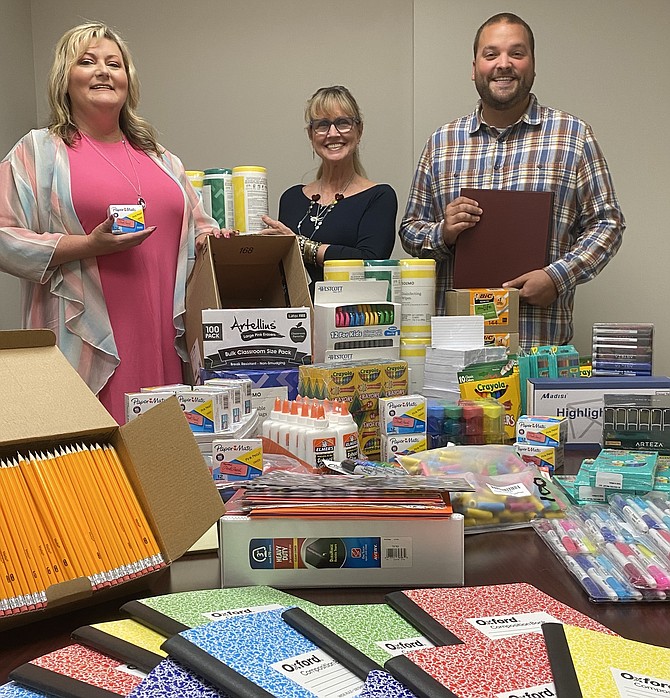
(157, 451)
(498, 380)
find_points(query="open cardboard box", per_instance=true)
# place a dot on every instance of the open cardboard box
(44, 403)
(246, 271)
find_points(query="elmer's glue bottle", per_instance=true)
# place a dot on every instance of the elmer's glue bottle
(280, 421)
(271, 418)
(347, 446)
(284, 434)
(320, 440)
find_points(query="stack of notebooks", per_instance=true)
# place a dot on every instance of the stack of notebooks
(284, 493)
(258, 642)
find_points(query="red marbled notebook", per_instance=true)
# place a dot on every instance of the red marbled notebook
(514, 666)
(76, 670)
(479, 615)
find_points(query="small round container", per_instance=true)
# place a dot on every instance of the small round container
(214, 197)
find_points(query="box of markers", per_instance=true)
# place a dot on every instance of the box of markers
(45, 405)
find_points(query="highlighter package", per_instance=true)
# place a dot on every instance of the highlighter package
(127, 219)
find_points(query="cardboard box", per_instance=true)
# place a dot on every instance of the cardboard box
(248, 271)
(44, 403)
(582, 400)
(498, 306)
(293, 552)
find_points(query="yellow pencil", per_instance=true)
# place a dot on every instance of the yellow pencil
(129, 551)
(24, 545)
(100, 511)
(72, 565)
(116, 494)
(143, 527)
(80, 519)
(25, 587)
(72, 520)
(34, 532)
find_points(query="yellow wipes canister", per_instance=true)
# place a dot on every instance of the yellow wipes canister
(250, 198)
(343, 270)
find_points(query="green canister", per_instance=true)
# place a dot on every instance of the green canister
(385, 270)
(217, 195)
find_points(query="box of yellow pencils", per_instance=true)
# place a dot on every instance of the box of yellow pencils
(90, 499)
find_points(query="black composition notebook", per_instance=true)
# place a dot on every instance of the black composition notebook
(511, 238)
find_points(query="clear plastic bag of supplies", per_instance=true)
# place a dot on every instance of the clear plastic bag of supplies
(508, 493)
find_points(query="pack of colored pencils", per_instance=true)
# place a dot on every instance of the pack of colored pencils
(66, 514)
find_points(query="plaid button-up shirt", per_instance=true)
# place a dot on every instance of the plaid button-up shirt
(546, 150)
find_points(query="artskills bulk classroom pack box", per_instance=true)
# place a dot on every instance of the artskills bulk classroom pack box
(44, 404)
(246, 272)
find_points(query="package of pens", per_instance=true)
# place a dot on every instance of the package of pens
(619, 551)
(508, 493)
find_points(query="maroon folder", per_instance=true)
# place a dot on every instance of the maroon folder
(510, 239)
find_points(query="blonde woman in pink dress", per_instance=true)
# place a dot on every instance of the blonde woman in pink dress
(115, 301)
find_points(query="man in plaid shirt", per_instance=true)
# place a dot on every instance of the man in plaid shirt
(512, 142)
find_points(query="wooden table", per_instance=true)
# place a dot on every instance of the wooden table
(490, 558)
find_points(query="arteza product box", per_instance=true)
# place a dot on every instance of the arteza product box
(582, 400)
(498, 306)
(298, 552)
(248, 271)
(157, 449)
(256, 337)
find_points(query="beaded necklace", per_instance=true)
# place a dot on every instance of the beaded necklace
(322, 210)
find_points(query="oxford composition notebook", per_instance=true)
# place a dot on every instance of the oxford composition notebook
(514, 666)
(587, 663)
(259, 655)
(170, 679)
(78, 672)
(510, 238)
(16, 690)
(375, 630)
(380, 684)
(485, 613)
(125, 640)
(172, 613)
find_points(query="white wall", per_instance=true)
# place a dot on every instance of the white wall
(225, 82)
(17, 87)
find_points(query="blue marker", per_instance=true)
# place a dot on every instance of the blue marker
(591, 588)
(595, 577)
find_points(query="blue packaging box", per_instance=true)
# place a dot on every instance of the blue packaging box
(262, 378)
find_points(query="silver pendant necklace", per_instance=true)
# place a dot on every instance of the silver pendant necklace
(136, 188)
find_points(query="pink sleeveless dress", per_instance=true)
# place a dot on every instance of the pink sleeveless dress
(138, 283)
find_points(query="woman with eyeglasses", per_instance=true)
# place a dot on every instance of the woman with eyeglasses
(341, 214)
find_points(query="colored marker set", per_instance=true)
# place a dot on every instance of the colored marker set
(364, 314)
(622, 349)
(617, 552)
(467, 422)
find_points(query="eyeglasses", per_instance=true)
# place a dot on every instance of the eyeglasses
(343, 124)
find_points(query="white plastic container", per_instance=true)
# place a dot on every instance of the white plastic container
(320, 441)
(417, 283)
